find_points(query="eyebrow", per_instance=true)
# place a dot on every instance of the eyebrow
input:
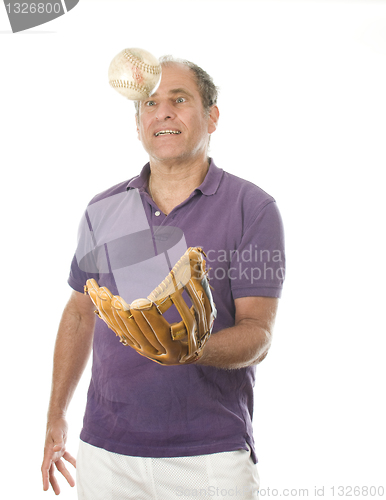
(180, 91)
(175, 92)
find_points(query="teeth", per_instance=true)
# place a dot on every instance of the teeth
(164, 132)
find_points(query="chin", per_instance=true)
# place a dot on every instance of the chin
(168, 155)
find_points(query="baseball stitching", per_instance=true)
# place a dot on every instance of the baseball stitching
(129, 85)
(155, 70)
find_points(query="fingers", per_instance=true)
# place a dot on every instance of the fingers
(49, 478)
(70, 459)
(48, 472)
(47, 466)
(65, 473)
(46, 478)
(54, 455)
(54, 483)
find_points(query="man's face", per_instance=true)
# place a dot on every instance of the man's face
(172, 124)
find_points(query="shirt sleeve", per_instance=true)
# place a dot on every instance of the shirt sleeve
(84, 264)
(78, 278)
(258, 264)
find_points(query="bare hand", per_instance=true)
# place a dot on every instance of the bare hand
(54, 452)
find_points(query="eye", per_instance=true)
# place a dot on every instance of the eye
(150, 103)
(180, 99)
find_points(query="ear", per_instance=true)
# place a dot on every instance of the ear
(213, 118)
(137, 124)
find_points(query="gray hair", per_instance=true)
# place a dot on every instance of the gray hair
(207, 89)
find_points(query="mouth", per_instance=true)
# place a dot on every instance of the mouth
(167, 132)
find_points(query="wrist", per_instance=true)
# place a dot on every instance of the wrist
(56, 414)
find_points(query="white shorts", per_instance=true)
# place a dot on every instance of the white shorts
(102, 475)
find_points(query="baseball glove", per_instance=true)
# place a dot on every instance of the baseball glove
(141, 324)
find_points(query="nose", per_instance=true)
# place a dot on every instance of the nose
(165, 111)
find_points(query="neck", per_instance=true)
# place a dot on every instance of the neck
(170, 185)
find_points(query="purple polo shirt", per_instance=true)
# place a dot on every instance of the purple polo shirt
(138, 407)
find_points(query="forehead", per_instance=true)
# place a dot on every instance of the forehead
(177, 76)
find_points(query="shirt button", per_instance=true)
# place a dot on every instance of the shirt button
(157, 213)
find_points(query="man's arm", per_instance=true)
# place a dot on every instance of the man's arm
(72, 351)
(247, 342)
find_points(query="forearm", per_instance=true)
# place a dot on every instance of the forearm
(72, 351)
(242, 345)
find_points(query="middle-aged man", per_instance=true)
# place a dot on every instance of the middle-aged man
(163, 432)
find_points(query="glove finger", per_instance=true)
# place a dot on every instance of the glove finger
(98, 294)
(105, 309)
(153, 333)
(151, 324)
(102, 297)
(92, 289)
(131, 331)
(159, 333)
(123, 317)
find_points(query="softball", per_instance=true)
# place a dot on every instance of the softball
(135, 74)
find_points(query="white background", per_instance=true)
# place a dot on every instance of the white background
(303, 108)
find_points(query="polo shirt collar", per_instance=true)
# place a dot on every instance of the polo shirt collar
(208, 187)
